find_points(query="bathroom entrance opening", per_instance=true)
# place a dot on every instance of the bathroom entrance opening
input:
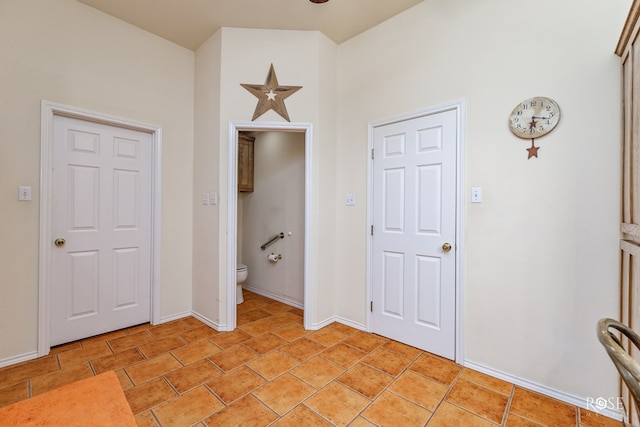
(270, 211)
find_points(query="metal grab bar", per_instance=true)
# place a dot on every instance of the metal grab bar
(273, 239)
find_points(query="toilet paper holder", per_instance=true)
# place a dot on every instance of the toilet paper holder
(273, 257)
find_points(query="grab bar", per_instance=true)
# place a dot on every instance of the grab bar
(273, 239)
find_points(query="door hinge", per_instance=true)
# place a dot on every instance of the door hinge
(373, 154)
(372, 230)
(371, 306)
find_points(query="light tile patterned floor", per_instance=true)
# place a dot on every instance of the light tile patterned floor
(271, 371)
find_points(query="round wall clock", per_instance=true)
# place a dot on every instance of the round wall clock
(534, 117)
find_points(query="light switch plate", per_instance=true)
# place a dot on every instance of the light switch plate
(24, 193)
(476, 195)
(213, 198)
(205, 198)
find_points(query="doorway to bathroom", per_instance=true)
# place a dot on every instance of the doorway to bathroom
(273, 213)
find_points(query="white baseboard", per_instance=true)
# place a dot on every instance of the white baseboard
(338, 319)
(322, 324)
(571, 399)
(18, 359)
(173, 317)
(281, 298)
(351, 323)
(208, 321)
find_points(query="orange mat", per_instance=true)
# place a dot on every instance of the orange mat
(95, 401)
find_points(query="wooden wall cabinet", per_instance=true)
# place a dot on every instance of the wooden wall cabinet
(628, 49)
(245, 163)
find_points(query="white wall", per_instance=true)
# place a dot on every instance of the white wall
(68, 53)
(206, 179)
(276, 205)
(300, 58)
(542, 250)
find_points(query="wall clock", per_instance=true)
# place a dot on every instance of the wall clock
(533, 118)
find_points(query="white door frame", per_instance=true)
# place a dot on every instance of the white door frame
(48, 111)
(232, 208)
(459, 107)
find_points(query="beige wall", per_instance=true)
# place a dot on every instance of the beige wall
(300, 59)
(542, 250)
(276, 205)
(71, 54)
(206, 179)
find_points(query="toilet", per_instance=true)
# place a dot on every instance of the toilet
(241, 275)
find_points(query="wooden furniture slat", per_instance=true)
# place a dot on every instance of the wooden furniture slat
(629, 26)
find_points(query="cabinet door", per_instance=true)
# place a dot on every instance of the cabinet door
(629, 51)
(245, 163)
(630, 292)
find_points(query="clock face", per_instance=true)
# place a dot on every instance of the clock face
(534, 117)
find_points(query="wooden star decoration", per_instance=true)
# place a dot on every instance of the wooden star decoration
(533, 150)
(271, 95)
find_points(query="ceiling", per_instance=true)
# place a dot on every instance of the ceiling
(189, 23)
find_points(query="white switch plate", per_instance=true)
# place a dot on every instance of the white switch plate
(213, 198)
(24, 192)
(350, 200)
(476, 195)
(205, 198)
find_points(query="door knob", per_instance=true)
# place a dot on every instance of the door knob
(59, 242)
(446, 247)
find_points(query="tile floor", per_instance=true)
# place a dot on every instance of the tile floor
(271, 371)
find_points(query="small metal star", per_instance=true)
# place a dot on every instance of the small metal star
(271, 95)
(533, 151)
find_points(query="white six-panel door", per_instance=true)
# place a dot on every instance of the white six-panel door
(101, 220)
(414, 218)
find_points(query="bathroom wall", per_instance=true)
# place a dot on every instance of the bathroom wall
(276, 205)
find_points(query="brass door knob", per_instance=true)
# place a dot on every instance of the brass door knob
(59, 242)
(446, 247)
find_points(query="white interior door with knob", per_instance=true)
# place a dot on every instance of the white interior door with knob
(101, 228)
(413, 244)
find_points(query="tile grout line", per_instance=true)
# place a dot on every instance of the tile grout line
(444, 398)
(386, 388)
(303, 403)
(505, 413)
(508, 408)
